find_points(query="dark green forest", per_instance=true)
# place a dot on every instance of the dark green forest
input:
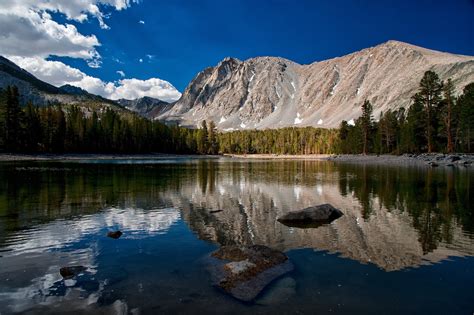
(70, 129)
(436, 121)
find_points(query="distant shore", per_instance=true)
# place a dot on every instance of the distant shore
(86, 156)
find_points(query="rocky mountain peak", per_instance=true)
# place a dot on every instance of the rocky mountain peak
(273, 92)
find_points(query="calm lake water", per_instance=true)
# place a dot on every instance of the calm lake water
(405, 244)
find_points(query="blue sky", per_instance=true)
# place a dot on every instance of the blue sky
(179, 38)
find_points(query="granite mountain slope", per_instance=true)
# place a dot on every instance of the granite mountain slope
(270, 92)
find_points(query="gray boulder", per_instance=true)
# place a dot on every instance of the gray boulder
(311, 217)
(243, 272)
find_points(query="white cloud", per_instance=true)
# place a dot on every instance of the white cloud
(33, 35)
(58, 73)
(141, 22)
(154, 87)
(29, 35)
(28, 30)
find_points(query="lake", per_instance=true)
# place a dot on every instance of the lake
(405, 243)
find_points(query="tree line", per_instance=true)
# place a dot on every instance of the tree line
(437, 120)
(307, 140)
(73, 129)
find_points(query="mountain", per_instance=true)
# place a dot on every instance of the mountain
(269, 92)
(74, 90)
(145, 106)
(40, 93)
(31, 88)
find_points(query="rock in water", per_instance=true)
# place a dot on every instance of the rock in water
(114, 235)
(311, 217)
(244, 272)
(71, 271)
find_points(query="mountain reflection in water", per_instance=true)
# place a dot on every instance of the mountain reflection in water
(394, 217)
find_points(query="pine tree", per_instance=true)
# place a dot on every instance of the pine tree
(430, 96)
(448, 93)
(344, 130)
(366, 124)
(213, 145)
(3, 102)
(32, 128)
(388, 127)
(13, 120)
(202, 139)
(466, 104)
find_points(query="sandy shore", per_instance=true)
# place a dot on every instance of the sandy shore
(279, 156)
(71, 157)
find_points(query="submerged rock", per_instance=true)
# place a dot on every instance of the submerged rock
(71, 271)
(311, 217)
(115, 234)
(243, 272)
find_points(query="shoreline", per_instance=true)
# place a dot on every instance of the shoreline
(424, 159)
(12, 157)
(431, 160)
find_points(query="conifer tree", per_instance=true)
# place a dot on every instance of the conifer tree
(448, 94)
(466, 104)
(13, 119)
(202, 139)
(366, 124)
(32, 128)
(3, 102)
(430, 95)
(213, 145)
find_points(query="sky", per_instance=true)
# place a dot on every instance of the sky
(134, 48)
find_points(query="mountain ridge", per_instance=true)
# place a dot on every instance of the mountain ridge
(273, 92)
(145, 106)
(40, 93)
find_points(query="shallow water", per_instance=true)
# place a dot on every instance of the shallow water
(404, 245)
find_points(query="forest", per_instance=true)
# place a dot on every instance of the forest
(72, 129)
(436, 121)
